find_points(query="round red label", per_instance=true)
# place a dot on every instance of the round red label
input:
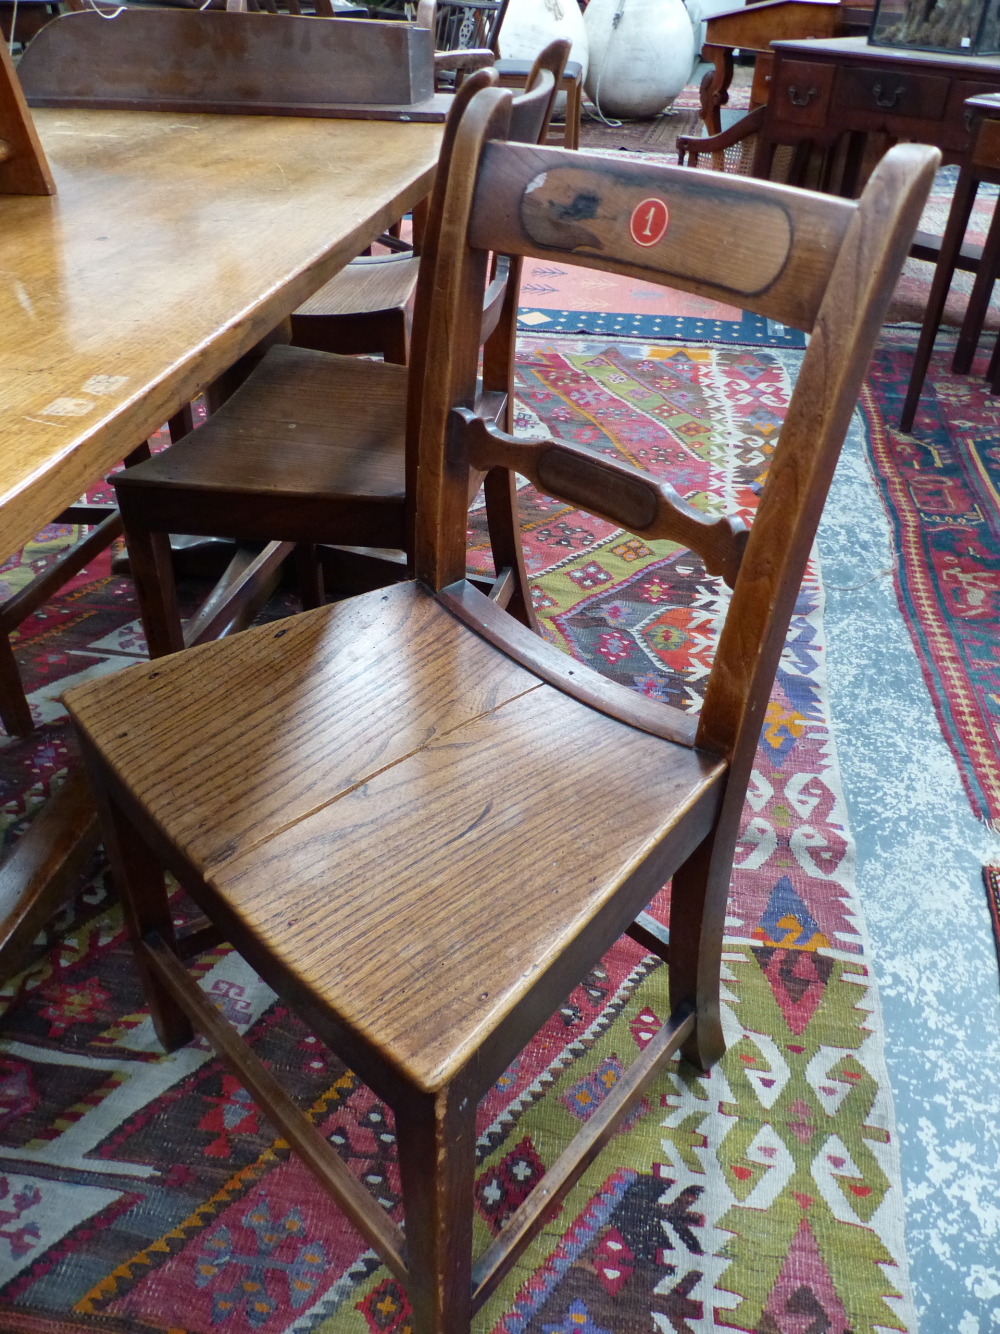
(649, 221)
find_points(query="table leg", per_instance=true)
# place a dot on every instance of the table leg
(715, 85)
(979, 301)
(951, 245)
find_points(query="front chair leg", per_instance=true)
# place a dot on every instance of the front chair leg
(697, 921)
(138, 878)
(436, 1137)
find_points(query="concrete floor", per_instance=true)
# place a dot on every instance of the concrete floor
(920, 854)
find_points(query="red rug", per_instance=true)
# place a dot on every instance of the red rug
(941, 489)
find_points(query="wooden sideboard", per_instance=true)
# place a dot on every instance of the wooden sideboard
(823, 89)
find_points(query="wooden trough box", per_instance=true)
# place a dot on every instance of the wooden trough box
(214, 61)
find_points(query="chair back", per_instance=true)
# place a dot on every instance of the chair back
(457, 25)
(818, 263)
(553, 59)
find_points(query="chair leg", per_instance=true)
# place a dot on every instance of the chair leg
(152, 567)
(698, 897)
(437, 1159)
(505, 541)
(309, 575)
(993, 372)
(138, 877)
(15, 712)
(951, 245)
(979, 300)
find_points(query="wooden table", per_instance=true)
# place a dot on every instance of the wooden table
(823, 89)
(174, 244)
(754, 27)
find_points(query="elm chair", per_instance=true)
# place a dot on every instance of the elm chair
(311, 448)
(366, 307)
(388, 805)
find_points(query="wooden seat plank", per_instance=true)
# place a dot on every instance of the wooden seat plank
(308, 723)
(278, 435)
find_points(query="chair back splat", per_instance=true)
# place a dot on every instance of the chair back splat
(417, 820)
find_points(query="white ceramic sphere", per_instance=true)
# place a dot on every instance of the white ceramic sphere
(638, 68)
(529, 26)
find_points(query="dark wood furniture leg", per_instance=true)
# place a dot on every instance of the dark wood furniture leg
(958, 220)
(979, 300)
(715, 86)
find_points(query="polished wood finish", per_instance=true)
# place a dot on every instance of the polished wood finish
(111, 321)
(766, 272)
(240, 64)
(754, 27)
(838, 86)
(981, 165)
(23, 168)
(124, 320)
(386, 804)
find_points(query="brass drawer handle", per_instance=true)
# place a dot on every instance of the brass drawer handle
(887, 102)
(798, 99)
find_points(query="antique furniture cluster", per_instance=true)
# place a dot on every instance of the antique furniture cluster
(823, 106)
(385, 803)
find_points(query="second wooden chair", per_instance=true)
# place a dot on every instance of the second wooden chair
(312, 448)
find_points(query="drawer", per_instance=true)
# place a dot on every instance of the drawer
(892, 90)
(800, 91)
(955, 113)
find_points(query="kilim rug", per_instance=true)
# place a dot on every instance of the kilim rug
(941, 488)
(140, 1192)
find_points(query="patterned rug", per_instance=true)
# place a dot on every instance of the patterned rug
(141, 1192)
(941, 489)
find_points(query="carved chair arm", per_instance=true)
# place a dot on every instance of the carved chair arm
(695, 146)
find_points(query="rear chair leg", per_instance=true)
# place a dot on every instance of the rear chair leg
(437, 1159)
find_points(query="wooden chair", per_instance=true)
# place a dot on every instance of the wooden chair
(272, 464)
(466, 35)
(366, 307)
(387, 805)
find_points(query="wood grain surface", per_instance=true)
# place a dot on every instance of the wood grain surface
(23, 168)
(187, 60)
(175, 243)
(533, 201)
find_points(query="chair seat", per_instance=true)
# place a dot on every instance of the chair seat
(355, 450)
(339, 470)
(376, 769)
(366, 286)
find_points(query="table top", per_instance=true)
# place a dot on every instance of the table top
(174, 244)
(859, 48)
